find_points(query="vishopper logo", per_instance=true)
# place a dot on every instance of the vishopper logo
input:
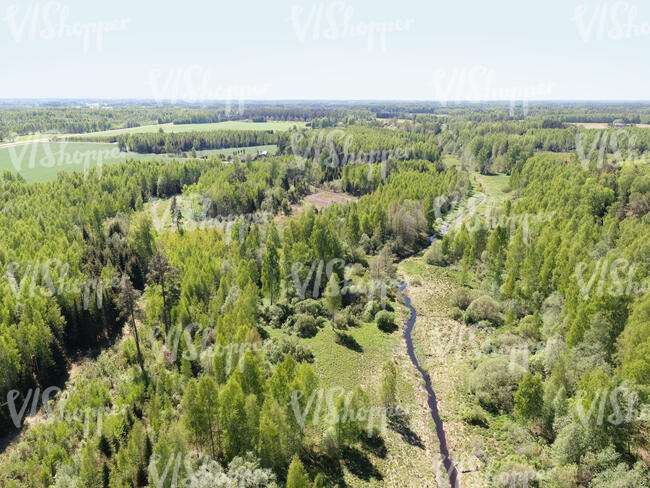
(90, 417)
(513, 221)
(492, 219)
(338, 143)
(373, 288)
(320, 408)
(168, 350)
(445, 203)
(197, 83)
(613, 406)
(333, 21)
(171, 470)
(50, 278)
(615, 278)
(59, 155)
(191, 212)
(464, 343)
(608, 143)
(51, 21)
(515, 476)
(610, 21)
(478, 83)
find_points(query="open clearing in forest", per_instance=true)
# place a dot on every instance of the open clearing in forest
(175, 128)
(275, 125)
(318, 200)
(324, 199)
(42, 161)
(406, 459)
(591, 125)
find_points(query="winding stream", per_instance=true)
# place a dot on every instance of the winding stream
(448, 463)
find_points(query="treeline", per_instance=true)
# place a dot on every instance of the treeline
(70, 120)
(178, 143)
(262, 113)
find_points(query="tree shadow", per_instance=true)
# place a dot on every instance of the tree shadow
(388, 328)
(8, 438)
(360, 465)
(376, 445)
(348, 341)
(399, 424)
(330, 468)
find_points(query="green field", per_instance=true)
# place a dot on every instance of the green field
(229, 125)
(40, 162)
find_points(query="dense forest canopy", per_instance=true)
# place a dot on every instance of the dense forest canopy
(198, 338)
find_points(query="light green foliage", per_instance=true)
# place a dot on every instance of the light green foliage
(494, 383)
(389, 384)
(529, 398)
(297, 476)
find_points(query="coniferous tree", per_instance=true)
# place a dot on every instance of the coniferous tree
(127, 302)
(162, 273)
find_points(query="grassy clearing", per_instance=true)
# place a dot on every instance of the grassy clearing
(172, 128)
(318, 200)
(278, 125)
(39, 162)
(490, 191)
(42, 161)
(408, 457)
(449, 350)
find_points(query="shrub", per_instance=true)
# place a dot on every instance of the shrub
(623, 476)
(456, 313)
(434, 254)
(530, 326)
(340, 320)
(305, 325)
(289, 345)
(321, 321)
(351, 318)
(309, 306)
(365, 243)
(483, 308)
(475, 415)
(278, 314)
(516, 474)
(462, 298)
(129, 352)
(370, 310)
(385, 321)
(494, 383)
(483, 324)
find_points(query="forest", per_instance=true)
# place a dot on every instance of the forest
(138, 348)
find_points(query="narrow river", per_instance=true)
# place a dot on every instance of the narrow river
(448, 463)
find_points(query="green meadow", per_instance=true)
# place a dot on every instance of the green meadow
(175, 128)
(42, 161)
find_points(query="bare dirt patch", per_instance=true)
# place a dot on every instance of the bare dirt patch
(318, 200)
(323, 199)
(592, 125)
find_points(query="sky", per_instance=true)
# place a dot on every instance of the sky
(336, 50)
